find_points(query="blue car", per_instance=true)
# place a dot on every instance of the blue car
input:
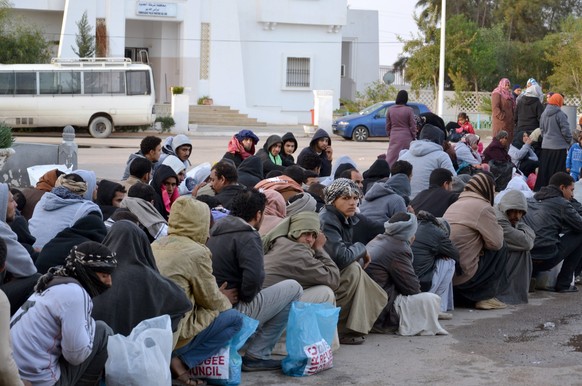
(370, 122)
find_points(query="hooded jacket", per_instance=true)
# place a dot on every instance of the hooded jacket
(264, 154)
(555, 128)
(496, 152)
(87, 228)
(131, 158)
(163, 172)
(237, 256)
(18, 260)
(379, 170)
(325, 163)
(425, 156)
(171, 145)
(435, 200)
(474, 227)
(549, 214)
(52, 214)
(381, 202)
(288, 159)
(250, 171)
(528, 113)
(105, 193)
(138, 287)
(182, 257)
(391, 265)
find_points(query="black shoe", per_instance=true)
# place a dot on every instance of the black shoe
(572, 288)
(253, 364)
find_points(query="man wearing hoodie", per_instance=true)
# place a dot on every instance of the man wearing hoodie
(270, 154)
(558, 227)
(320, 145)
(519, 237)
(60, 208)
(425, 155)
(150, 147)
(20, 276)
(381, 202)
(237, 259)
(179, 146)
(289, 147)
(250, 171)
(182, 257)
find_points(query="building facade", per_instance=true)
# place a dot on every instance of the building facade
(262, 57)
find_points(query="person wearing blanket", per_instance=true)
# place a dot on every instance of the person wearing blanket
(413, 311)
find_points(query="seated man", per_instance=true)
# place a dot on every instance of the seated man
(360, 298)
(150, 148)
(237, 260)
(140, 201)
(320, 146)
(223, 181)
(479, 239)
(558, 227)
(435, 258)
(182, 257)
(439, 196)
(56, 341)
(519, 237)
(109, 197)
(241, 146)
(140, 170)
(415, 312)
(179, 146)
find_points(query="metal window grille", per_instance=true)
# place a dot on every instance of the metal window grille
(205, 51)
(298, 72)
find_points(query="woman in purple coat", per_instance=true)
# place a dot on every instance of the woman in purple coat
(400, 127)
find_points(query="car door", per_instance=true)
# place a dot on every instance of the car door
(378, 125)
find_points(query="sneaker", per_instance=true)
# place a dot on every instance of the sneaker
(253, 364)
(445, 316)
(490, 304)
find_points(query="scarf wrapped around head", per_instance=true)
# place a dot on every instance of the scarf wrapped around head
(235, 146)
(79, 188)
(339, 188)
(500, 89)
(483, 185)
(302, 202)
(82, 263)
(518, 139)
(402, 230)
(292, 227)
(556, 100)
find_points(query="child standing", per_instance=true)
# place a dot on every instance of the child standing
(574, 159)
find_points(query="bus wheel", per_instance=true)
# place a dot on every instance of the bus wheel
(100, 127)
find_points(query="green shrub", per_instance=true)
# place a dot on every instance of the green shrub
(177, 90)
(166, 122)
(6, 138)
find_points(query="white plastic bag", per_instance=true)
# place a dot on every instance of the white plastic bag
(142, 358)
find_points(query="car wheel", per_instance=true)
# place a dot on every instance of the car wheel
(100, 127)
(360, 134)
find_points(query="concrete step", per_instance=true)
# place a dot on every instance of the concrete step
(220, 116)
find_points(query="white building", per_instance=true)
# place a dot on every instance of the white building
(262, 57)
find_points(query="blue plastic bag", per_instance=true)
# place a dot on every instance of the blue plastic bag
(235, 361)
(310, 331)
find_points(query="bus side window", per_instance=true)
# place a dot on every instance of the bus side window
(138, 83)
(25, 83)
(6, 83)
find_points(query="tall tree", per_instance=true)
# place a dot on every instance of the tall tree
(564, 50)
(85, 39)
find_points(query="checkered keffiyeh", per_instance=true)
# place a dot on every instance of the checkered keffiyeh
(339, 188)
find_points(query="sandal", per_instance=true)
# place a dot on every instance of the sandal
(187, 380)
(352, 339)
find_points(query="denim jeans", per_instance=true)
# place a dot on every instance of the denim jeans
(210, 340)
(271, 308)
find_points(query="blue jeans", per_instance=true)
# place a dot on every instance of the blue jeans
(210, 340)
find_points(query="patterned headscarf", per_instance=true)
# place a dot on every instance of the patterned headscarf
(505, 93)
(76, 187)
(82, 263)
(483, 185)
(339, 188)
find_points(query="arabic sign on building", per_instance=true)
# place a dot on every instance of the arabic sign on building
(149, 8)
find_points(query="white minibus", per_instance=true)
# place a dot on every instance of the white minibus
(98, 93)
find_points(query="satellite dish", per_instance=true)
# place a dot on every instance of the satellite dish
(388, 78)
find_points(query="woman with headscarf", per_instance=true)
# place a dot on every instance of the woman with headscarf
(275, 211)
(165, 184)
(522, 154)
(468, 156)
(360, 298)
(413, 311)
(60, 208)
(87, 228)
(529, 110)
(479, 238)
(557, 139)
(138, 287)
(55, 339)
(503, 107)
(400, 127)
